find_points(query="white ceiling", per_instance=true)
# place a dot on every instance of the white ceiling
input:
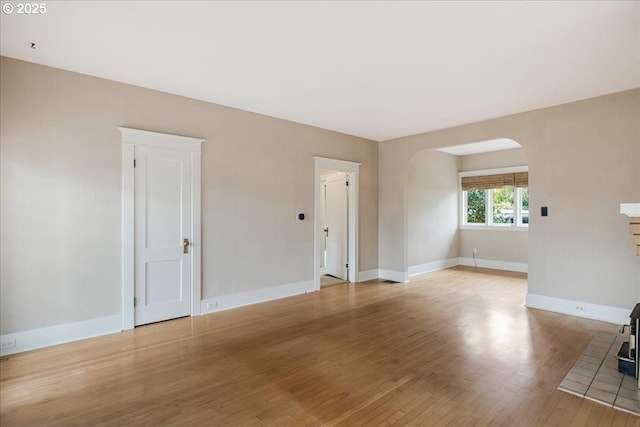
(379, 70)
(481, 147)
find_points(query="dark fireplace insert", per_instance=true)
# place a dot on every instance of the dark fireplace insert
(628, 353)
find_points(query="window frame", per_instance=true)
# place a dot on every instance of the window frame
(517, 224)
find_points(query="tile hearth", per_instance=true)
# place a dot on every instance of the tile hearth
(595, 376)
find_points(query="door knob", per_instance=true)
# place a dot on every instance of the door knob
(185, 245)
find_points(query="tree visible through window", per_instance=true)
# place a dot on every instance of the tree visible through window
(476, 206)
(524, 208)
(503, 205)
(506, 206)
(495, 198)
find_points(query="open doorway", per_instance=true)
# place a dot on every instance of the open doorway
(336, 221)
(334, 208)
(483, 225)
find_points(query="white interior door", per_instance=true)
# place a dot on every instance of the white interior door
(323, 220)
(162, 234)
(336, 217)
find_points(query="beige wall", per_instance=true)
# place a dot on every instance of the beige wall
(432, 208)
(494, 160)
(61, 193)
(583, 161)
(495, 245)
(392, 241)
(61, 182)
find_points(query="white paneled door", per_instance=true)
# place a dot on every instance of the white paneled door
(162, 234)
(336, 231)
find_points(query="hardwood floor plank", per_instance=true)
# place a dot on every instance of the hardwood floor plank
(453, 347)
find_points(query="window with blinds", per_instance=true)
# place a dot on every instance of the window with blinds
(491, 182)
(495, 199)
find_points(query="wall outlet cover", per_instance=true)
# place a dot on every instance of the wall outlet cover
(5, 344)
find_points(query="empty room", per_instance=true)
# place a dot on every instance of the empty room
(306, 213)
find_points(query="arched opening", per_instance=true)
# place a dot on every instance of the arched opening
(438, 233)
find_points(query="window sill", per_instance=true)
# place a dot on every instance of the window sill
(493, 227)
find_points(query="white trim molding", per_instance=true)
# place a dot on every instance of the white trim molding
(394, 276)
(128, 233)
(366, 275)
(160, 140)
(579, 308)
(130, 139)
(242, 299)
(630, 209)
(483, 172)
(432, 266)
(482, 227)
(403, 277)
(337, 165)
(497, 265)
(59, 334)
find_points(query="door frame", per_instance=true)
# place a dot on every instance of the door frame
(130, 139)
(353, 171)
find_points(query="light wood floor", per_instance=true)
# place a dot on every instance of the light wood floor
(454, 347)
(327, 280)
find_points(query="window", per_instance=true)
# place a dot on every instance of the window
(524, 206)
(491, 199)
(503, 211)
(476, 206)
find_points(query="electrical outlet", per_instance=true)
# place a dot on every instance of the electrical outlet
(11, 343)
(212, 305)
(579, 308)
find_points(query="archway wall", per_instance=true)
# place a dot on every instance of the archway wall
(432, 211)
(583, 162)
(434, 237)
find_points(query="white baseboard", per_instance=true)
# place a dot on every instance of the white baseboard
(241, 299)
(498, 265)
(59, 334)
(398, 276)
(363, 276)
(433, 266)
(394, 276)
(580, 309)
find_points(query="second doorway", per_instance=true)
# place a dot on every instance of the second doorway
(334, 201)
